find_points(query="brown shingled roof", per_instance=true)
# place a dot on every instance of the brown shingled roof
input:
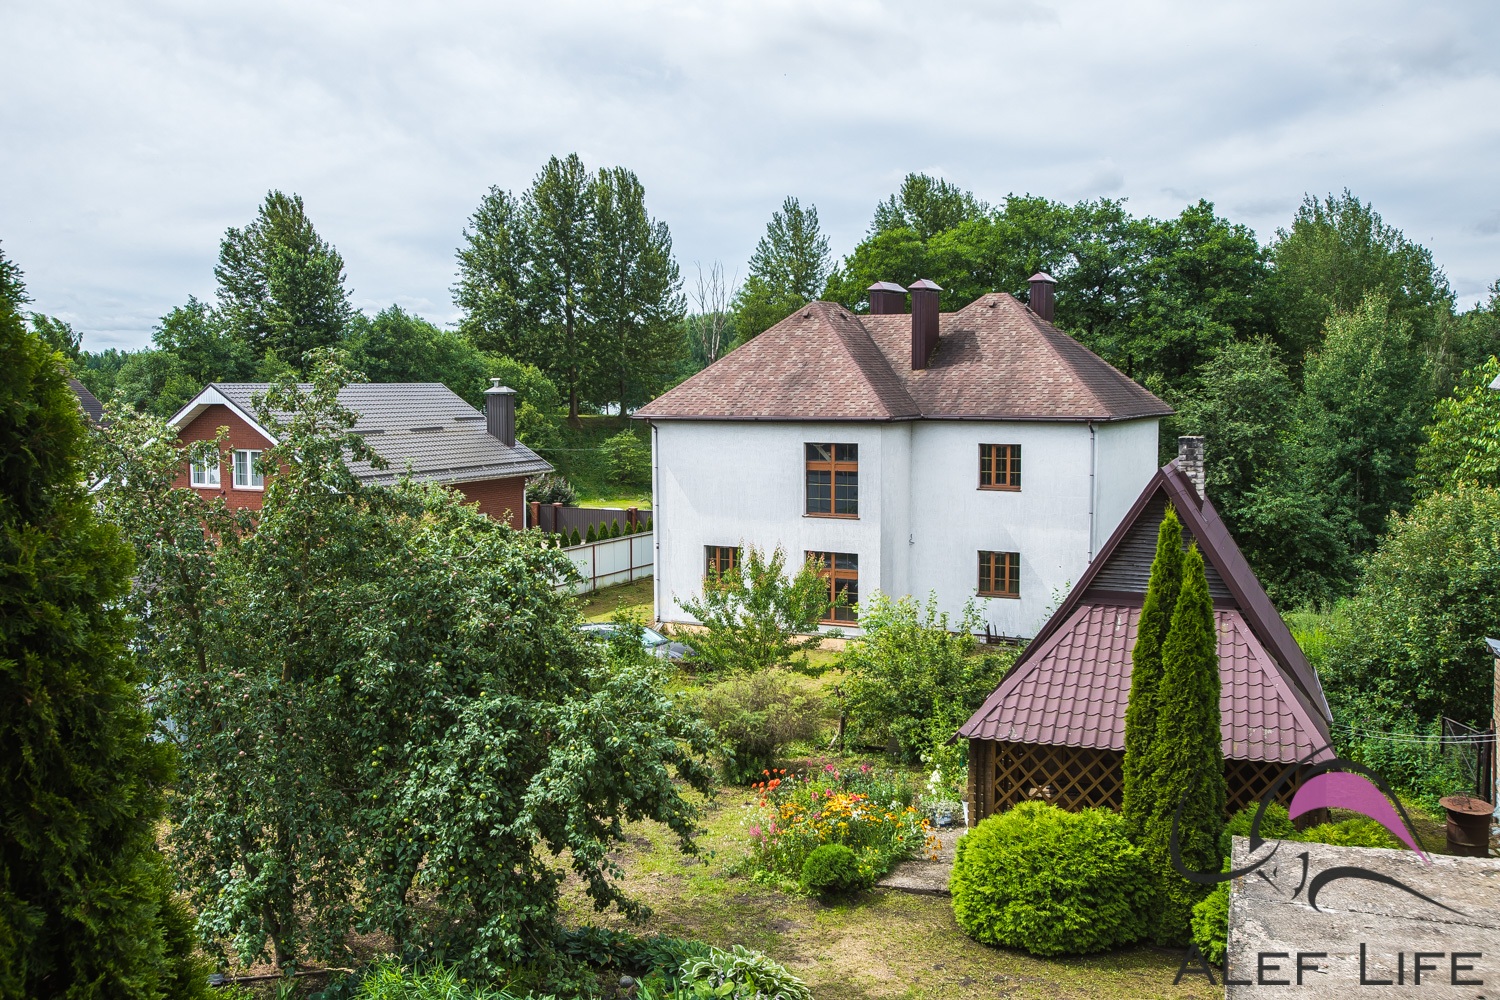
(995, 360)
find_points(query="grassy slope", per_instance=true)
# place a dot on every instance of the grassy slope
(583, 464)
(880, 944)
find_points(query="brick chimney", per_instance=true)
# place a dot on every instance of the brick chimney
(1041, 299)
(1190, 460)
(924, 322)
(500, 412)
(886, 298)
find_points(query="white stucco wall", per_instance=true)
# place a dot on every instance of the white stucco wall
(923, 519)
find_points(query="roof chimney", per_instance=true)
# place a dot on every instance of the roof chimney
(924, 322)
(1041, 300)
(886, 298)
(500, 412)
(1190, 460)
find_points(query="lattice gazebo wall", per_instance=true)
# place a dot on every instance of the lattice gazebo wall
(1004, 774)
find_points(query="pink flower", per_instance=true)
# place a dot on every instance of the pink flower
(755, 831)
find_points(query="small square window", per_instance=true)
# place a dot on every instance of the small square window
(1000, 467)
(722, 560)
(205, 474)
(999, 574)
(247, 475)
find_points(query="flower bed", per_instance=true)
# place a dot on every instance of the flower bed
(869, 812)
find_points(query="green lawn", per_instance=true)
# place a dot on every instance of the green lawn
(880, 944)
(636, 596)
(582, 462)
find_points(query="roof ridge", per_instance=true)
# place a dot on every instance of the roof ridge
(1048, 332)
(870, 361)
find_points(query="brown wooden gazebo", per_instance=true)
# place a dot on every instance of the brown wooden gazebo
(1055, 727)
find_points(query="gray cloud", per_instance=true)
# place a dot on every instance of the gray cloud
(134, 134)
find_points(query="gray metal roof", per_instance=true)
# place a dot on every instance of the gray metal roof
(422, 426)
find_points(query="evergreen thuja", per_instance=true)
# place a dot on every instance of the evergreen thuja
(86, 907)
(1187, 756)
(1145, 674)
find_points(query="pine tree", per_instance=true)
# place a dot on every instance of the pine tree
(1188, 756)
(1145, 674)
(86, 907)
(576, 538)
(592, 536)
(790, 265)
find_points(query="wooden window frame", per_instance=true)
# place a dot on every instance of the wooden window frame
(829, 568)
(1004, 476)
(833, 466)
(1003, 566)
(715, 562)
(251, 463)
(205, 475)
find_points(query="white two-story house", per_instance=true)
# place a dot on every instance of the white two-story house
(981, 454)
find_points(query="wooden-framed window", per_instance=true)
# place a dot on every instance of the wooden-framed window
(832, 480)
(841, 570)
(721, 560)
(999, 574)
(1000, 467)
(205, 474)
(247, 475)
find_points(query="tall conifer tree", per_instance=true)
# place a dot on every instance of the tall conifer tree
(85, 902)
(1188, 756)
(1146, 671)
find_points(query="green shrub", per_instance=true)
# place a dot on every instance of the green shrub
(1359, 832)
(629, 458)
(1211, 924)
(914, 675)
(614, 528)
(592, 535)
(751, 976)
(756, 716)
(1274, 825)
(576, 539)
(550, 488)
(392, 981)
(1051, 882)
(831, 869)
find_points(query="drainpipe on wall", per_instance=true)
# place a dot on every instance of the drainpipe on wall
(1093, 467)
(655, 526)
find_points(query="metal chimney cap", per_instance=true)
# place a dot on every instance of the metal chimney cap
(1043, 276)
(495, 386)
(923, 285)
(886, 286)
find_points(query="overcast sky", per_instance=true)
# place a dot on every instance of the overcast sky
(134, 133)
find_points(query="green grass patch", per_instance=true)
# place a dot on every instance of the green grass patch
(879, 943)
(636, 596)
(582, 462)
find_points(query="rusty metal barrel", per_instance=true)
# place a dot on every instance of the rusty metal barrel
(1468, 825)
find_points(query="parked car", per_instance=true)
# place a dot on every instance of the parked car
(657, 644)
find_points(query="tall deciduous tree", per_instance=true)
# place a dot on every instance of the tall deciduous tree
(281, 285)
(1366, 392)
(1337, 251)
(199, 338)
(789, 268)
(1463, 441)
(1190, 785)
(560, 226)
(387, 718)
(86, 907)
(1260, 476)
(635, 302)
(710, 325)
(494, 279)
(927, 206)
(1140, 779)
(12, 284)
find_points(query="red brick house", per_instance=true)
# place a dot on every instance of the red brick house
(423, 428)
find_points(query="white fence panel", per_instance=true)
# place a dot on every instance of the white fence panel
(611, 561)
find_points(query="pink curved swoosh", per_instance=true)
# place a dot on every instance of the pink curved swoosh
(1355, 792)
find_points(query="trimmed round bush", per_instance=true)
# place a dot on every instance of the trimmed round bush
(831, 868)
(1211, 924)
(1051, 882)
(1276, 824)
